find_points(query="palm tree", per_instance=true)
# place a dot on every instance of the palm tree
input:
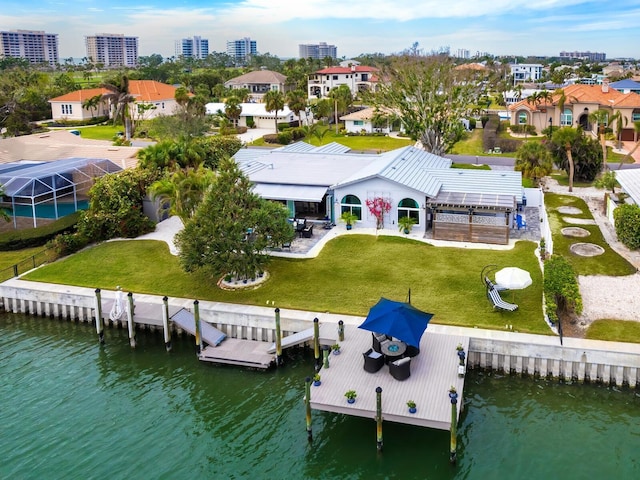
(533, 160)
(92, 103)
(567, 136)
(621, 121)
(274, 101)
(342, 99)
(181, 192)
(120, 98)
(297, 101)
(601, 117)
(233, 110)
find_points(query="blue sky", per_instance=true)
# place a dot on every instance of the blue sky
(500, 27)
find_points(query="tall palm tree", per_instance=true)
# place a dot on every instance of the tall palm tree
(297, 101)
(233, 110)
(567, 136)
(274, 101)
(601, 118)
(342, 99)
(119, 97)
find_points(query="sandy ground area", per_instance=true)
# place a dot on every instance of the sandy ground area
(602, 296)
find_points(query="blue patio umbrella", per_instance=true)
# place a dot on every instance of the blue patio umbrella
(397, 319)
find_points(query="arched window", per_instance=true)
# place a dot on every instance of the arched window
(566, 119)
(351, 203)
(522, 118)
(408, 207)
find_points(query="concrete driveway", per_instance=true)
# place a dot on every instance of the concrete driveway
(254, 133)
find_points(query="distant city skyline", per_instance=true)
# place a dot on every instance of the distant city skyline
(501, 27)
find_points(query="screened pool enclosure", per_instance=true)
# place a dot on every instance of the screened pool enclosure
(50, 189)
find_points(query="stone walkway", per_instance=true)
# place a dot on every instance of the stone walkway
(604, 297)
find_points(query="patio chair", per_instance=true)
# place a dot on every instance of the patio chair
(411, 351)
(378, 338)
(400, 369)
(373, 361)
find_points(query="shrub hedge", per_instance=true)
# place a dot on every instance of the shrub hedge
(36, 237)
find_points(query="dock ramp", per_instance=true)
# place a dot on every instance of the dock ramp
(187, 322)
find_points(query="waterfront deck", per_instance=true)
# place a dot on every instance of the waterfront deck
(433, 372)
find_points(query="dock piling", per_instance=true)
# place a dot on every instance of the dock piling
(99, 319)
(278, 339)
(341, 331)
(379, 418)
(316, 342)
(307, 404)
(131, 326)
(453, 396)
(165, 323)
(196, 316)
(325, 356)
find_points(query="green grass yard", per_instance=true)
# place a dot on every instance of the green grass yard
(349, 276)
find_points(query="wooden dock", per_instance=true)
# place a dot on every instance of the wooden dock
(235, 351)
(433, 372)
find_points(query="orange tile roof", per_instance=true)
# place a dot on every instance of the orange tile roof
(356, 68)
(142, 90)
(579, 93)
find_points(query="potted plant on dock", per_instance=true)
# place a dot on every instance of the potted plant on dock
(405, 224)
(316, 380)
(351, 396)
(349, 219)
(336, 348)
(412, 406)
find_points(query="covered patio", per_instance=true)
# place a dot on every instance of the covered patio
(472, 217)
(50, 190)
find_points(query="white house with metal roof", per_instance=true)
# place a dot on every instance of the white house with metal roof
(323, 182)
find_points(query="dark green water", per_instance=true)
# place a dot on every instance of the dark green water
(71, 409)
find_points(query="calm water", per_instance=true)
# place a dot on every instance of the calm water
(72, 409)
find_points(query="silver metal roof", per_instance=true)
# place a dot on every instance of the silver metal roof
(498, 182)
(629, 180)
(487, 200)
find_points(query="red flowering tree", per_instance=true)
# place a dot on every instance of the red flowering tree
(378, 206)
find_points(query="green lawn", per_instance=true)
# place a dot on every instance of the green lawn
(609, 263)
(471, 144)
(99, 132)
(614, 331)
(349, 276)
(10, 258)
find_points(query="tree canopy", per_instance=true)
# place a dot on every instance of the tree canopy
(232, 228)
(431, 98)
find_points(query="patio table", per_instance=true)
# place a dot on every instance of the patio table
(392, 349)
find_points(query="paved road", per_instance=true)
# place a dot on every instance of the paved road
(510, 161)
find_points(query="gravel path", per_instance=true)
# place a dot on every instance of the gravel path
(603, 296)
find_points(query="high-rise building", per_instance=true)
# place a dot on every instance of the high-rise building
(241, 49)
(591, 56)
(317, 50)
(112, 50)
(36, 46)
(463, 53)
(196, 47)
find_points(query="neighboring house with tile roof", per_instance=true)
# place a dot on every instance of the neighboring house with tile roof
(580, 101)
(455, 204)
(357, 77)
(258, 83)
(149, 92)
(364, 120)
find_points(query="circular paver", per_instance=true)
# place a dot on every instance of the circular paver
(586, 249)
(569, 210)
(575, 232)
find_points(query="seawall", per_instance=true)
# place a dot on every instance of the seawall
(611, 363)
